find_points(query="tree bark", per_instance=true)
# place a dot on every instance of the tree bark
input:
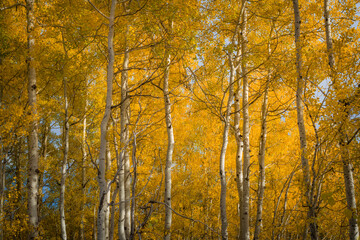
(301, 125)
(125, 115)
(240, 146)
(2, 188)
(112, 216)
(347, 166)
(108, 194)
(223, 216)
(133, 189)
(261, 159)
(124, 179)
(64, 163)
(170, 147)
(33, 170)
(237, 119)
(83, 173)
(103, 204)
(245, 233)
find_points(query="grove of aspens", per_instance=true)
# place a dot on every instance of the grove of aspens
(179, 119)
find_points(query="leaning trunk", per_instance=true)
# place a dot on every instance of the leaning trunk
(33, 128)
(301, 125)
(103, 204)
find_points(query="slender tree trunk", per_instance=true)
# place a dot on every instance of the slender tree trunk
(103, 204)
(301, 124)
(261, 158)
(18, 175)
(245, 233)
(124, 180)
(64, 163)
(112, 216)
(2, 189)
(125, 114)
(239, 148)
(170, 147)
(94, 225)
(133, 193)
(347, 166)
(83, 173)
(33, 128)
(223, 217)
(108, 194)
(44, 150)
(350, 192)
(237, 119)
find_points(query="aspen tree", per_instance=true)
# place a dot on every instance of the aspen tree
(108, 194)
(65, 160)
(124, 155)
(171, 141)
(245, 231)
(103, 204)
(33, 171)
(261, 157)
(225, 141)
(301, 125)
(237, 117)
(83, 173)
(2, 188)
(347, 165)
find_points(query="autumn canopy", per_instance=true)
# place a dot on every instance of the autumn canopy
(179, 119)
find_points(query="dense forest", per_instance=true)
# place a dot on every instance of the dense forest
(179, 119)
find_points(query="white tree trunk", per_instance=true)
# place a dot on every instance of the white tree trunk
(240, 146)
(83, 172)
(103, 204)
(112, 217)
(347, 166)
(2, 188)
(108, 194)
(301, 124)
(124, 179)
(64, 163)
(94, 225)
(245, 233)
(125, 115)
(223, 217)
(350, 194)
(33, 128)
(261, 158)
(133, 188)
(170, 148)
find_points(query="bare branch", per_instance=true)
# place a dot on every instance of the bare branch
(98, 10)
